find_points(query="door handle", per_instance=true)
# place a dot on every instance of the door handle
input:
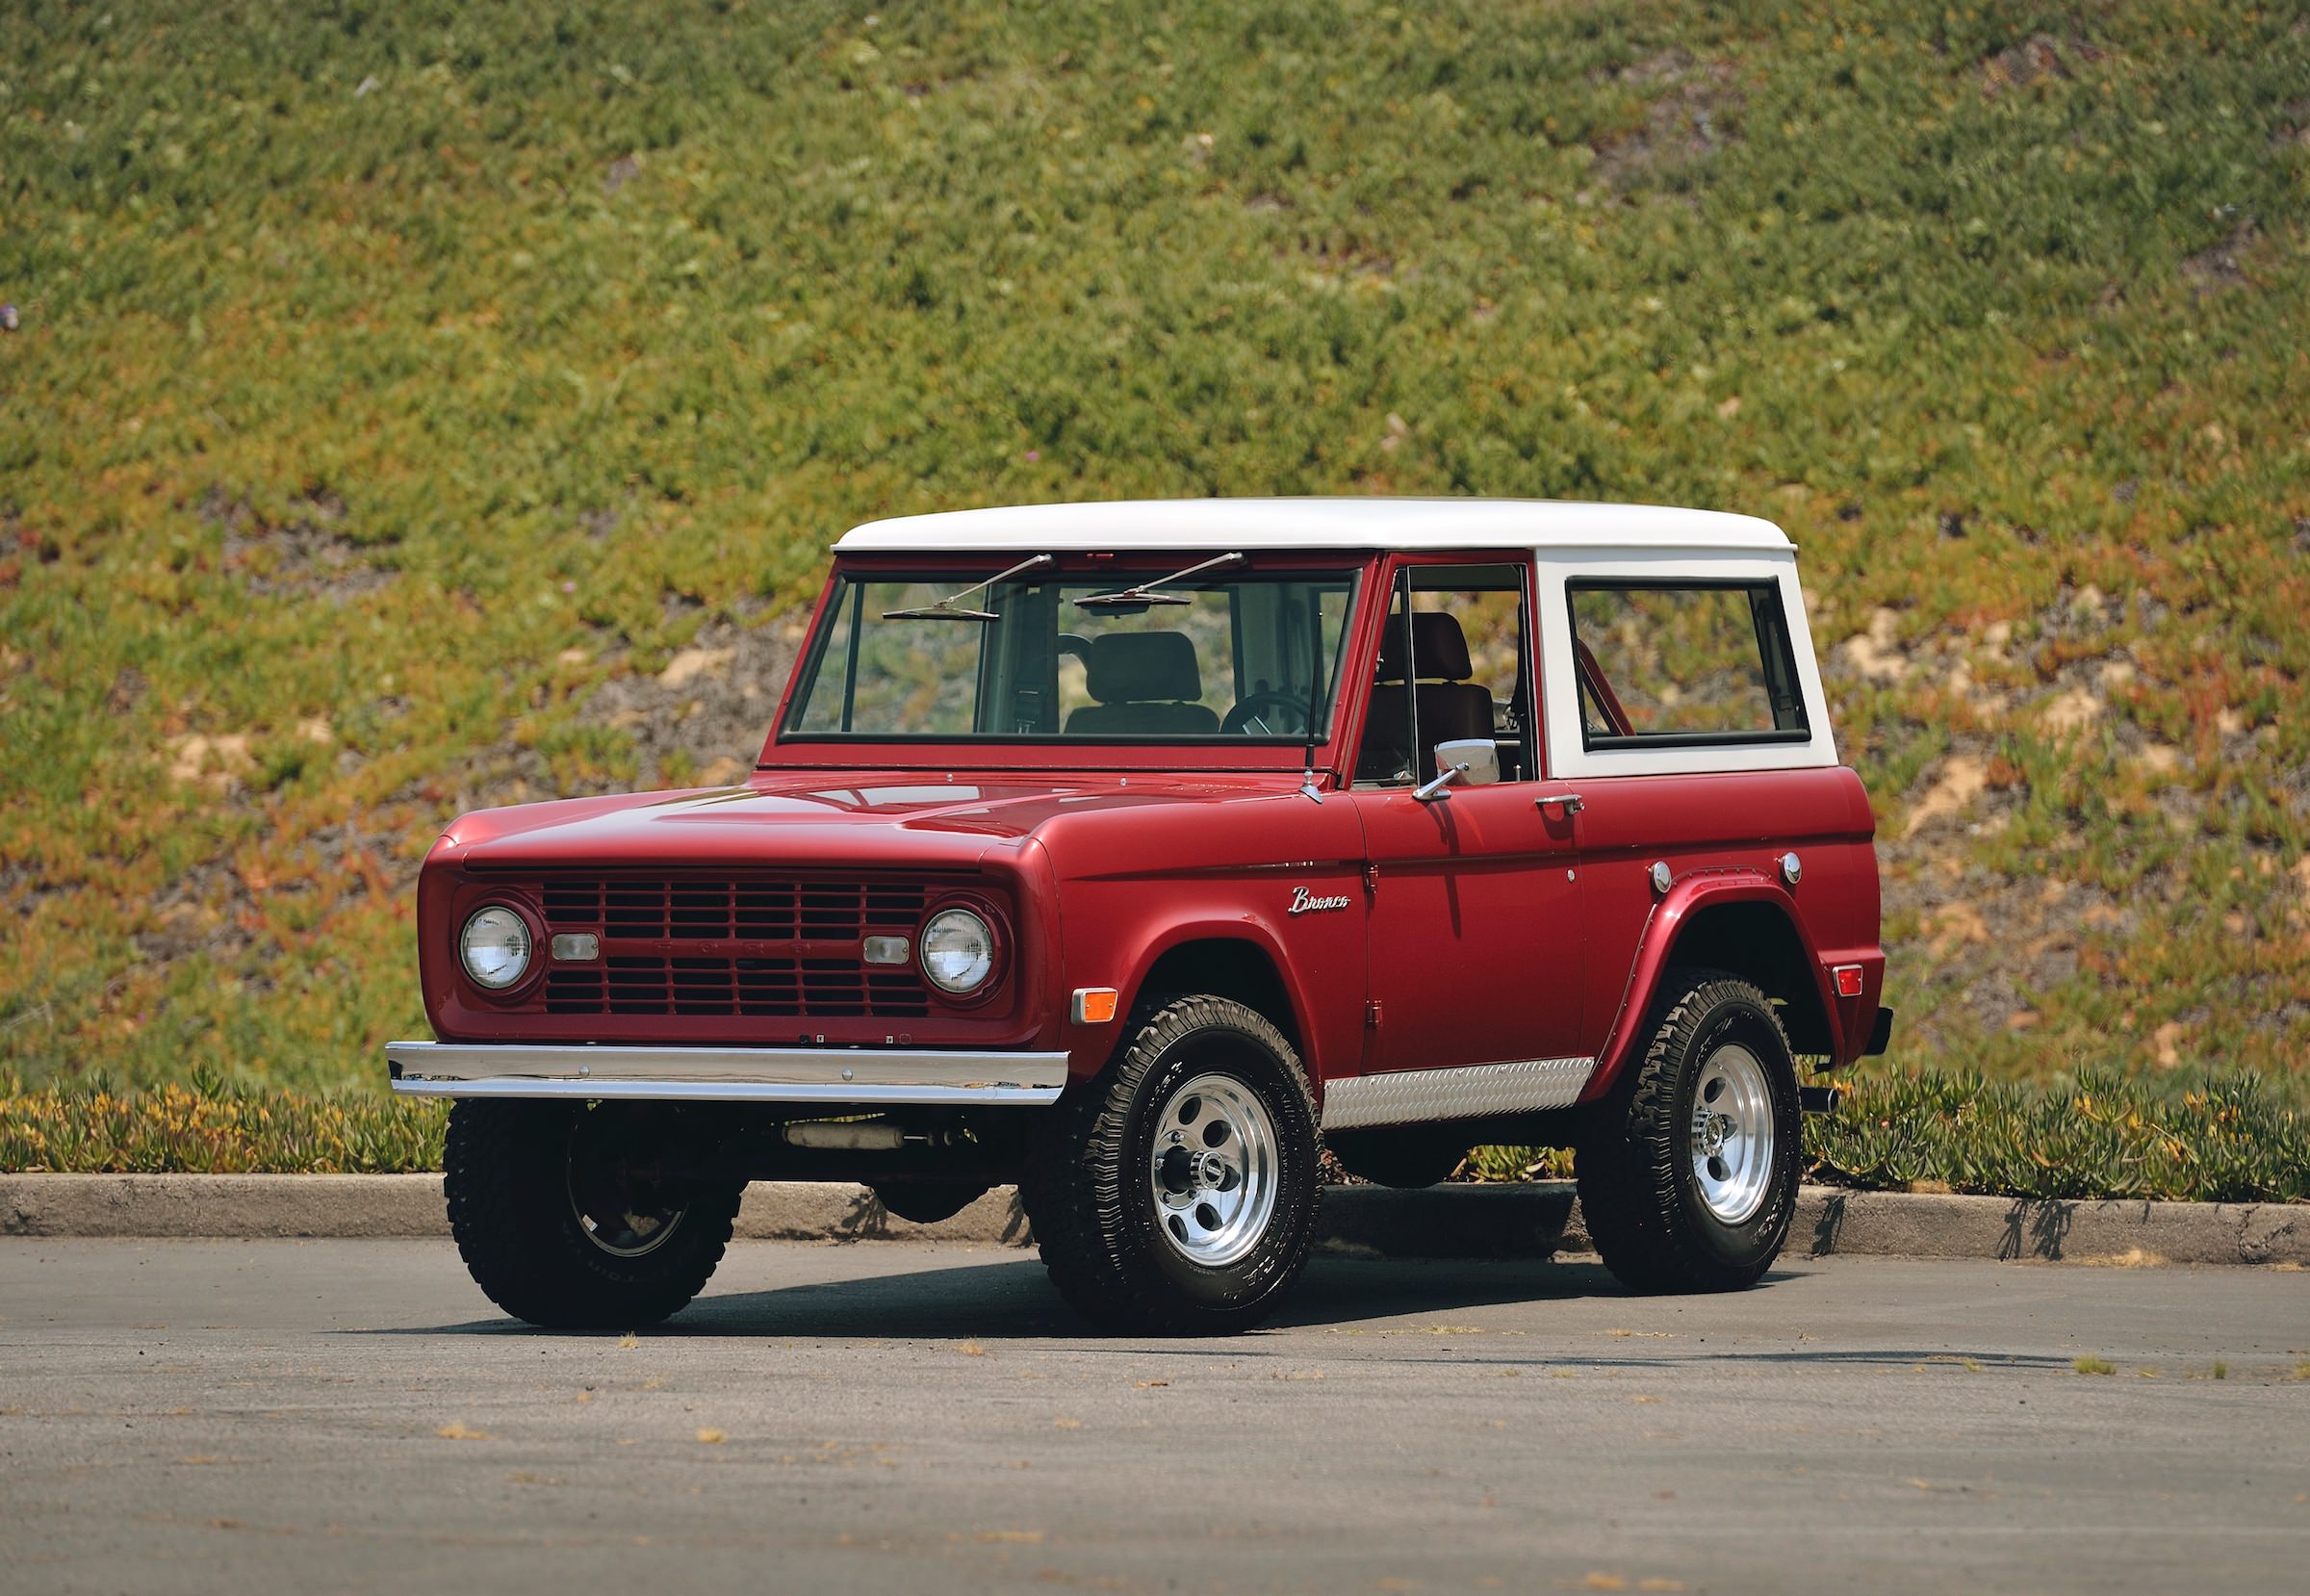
(1570, 800)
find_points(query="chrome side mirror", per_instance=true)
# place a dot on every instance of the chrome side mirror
(1473, 760)
(1477, 758)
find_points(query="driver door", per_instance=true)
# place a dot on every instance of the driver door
(1475, 944)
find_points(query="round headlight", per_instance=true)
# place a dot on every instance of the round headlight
(958, 951)
(495, 947)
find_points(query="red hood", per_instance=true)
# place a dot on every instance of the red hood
(817, 817)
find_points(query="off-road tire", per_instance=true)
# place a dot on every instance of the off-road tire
(1406, 1157)
(1639, 1194)
(1087, 1182)
(506, 1171)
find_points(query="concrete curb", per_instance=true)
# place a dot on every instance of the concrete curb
(234, 1205)
(1535, 1220)
(1918, 1226)
(374, 1205)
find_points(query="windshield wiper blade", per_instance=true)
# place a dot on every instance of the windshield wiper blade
(944, 609)
(1141, 595)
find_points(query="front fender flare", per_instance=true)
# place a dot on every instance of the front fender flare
(1160, 937)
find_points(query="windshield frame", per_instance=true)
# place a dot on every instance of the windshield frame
(789, 747)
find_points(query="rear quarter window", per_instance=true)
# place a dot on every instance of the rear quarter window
(1684, 664)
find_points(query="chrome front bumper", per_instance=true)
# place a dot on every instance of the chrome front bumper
(838, 1075)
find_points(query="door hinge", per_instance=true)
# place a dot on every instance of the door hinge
(1370, 881)
(1371, 1014)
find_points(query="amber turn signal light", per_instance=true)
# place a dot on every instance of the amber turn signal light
(1095, 1005)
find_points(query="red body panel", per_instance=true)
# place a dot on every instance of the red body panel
(1476, 937)
(1722, 838)
(1484, 928)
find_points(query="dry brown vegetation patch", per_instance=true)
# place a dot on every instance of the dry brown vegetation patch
(1690, 118)
(218, 761)
(1996, 942)
(309, 555)
(2041, 58)
(224, 907)
(1960, 780)
(2004, 904)
(2293, 125)
(2222, 266)
(702, 715)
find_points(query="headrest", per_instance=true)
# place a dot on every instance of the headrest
(1439, 649)
(1143, 667)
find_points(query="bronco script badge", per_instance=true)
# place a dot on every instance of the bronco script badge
(1304, 902)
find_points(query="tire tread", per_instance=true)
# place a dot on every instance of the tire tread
(1625, 1164)
(1078, 1189)
(508, 1215)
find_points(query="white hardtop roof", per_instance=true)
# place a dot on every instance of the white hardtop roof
(1409, 523)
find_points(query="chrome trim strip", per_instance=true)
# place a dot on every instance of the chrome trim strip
(1463, 1091)
(734, 1074)
(733, 1092)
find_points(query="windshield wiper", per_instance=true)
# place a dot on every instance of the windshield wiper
(944, 609)
(1141, 595)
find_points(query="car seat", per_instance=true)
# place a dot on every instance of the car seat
(1451, 708)
(1146, 684)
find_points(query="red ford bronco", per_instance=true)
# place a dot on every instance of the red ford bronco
(1137, 852)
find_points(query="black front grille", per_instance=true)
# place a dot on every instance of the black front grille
(802, 957)
(757, 910)
(808, 989)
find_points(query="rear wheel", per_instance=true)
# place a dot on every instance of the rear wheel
(1688, 1168)
(1175, 1192)
(559, 1226)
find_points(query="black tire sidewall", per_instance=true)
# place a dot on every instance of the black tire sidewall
(1219, 1048)
(673, 1258)
(507, 1182)
(1735, 1017)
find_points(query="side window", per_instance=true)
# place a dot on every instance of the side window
(1455, 663)
(1663, 664)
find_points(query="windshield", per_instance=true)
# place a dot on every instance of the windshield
(1225, 655)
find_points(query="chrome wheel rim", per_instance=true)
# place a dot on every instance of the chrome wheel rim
(620, 1220)
(1212, 1171)
(1731, 1134)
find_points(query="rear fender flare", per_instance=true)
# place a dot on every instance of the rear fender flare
(1655, 953)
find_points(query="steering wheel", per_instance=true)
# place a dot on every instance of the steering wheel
(1289, 719)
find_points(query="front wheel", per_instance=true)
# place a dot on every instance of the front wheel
(1175, 1190)
(1688, 1168)
(559, 1225)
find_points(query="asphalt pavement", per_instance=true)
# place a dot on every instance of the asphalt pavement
(351, 1415)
